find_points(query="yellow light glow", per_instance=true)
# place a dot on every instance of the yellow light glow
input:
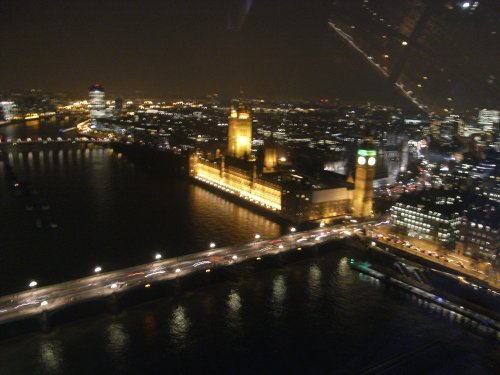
(242, 140)
(242, 193)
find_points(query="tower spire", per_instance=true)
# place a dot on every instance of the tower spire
(239, 138)
(365, 174)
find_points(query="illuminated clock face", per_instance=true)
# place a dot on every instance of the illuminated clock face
(361, 160)
(371, 160)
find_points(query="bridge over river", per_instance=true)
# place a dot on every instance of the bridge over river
(43, 301)
(49, 142)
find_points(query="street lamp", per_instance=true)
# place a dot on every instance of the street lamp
(257, 236)
(32, 284)
(97, 269)
(212, 245)
(321, 224)
(44, 303)
(157, 256)
(293, 230)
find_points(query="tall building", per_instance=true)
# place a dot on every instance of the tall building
(433, 215)
(270, 156)
(97, 105)
(239, 138)
(363, 183)
(481, 230)
(8, 109)
(293, 196)
(488, 119)
(118, 108)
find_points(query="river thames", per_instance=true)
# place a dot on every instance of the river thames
(313, 316)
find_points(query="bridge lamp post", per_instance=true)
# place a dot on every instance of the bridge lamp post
(212, 245)
(257, 236)
(43, 304)
(322, 224)
(158, 256)
(32, 284)
(97, 269)
(293, 229)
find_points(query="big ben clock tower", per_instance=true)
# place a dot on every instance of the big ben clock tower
(363, 183)
(239, 138)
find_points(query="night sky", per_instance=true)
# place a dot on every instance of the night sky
(182, 48)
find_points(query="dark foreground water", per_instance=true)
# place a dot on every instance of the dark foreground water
(109, 213)
(309, 317)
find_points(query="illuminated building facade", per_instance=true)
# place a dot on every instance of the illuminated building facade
(270, 156)
(97, 105)
(8, 109)
(305, 199)
(363, 183)
(488, 119)
(294, 197)
(433, 215)
(481, 232)
(238, 177)
(239, 137)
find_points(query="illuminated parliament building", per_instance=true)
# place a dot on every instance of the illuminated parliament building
(295, 197)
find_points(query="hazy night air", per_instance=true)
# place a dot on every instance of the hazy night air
(249, 187)
(274, 49)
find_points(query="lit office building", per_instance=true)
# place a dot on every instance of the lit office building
(97, 105)
(489, 187)
(488, 119)
(8, 109)
(433, 215)
(481, 231)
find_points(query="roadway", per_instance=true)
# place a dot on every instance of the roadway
(50, 140)
(39, 300)
(451, 260)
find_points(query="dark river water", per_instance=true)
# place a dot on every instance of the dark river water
(312, 316)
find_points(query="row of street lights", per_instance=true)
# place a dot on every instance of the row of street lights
(32, 284)
(98, 269)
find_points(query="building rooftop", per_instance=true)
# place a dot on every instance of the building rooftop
(442, 201)
(96, 87)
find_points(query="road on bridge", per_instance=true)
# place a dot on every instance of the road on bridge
(38, 300)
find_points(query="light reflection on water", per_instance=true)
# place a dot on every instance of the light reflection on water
(234, 309)
(179, 327)
(150, 325)
(117, 338)
(187, 217)
(51, 355)
(121, 212)
(314, 277)
(278, 295)
(433, 308)
(229, 325)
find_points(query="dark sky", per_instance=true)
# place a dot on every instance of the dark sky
(175, 48)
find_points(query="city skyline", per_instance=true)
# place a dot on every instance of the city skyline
(184, 49)
(249, 186)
